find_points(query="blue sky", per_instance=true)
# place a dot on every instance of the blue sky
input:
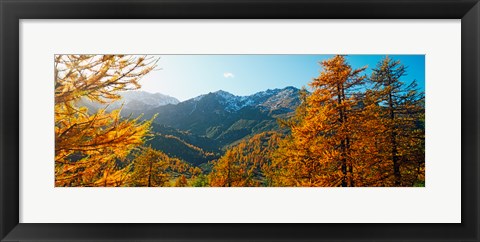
(187, 76)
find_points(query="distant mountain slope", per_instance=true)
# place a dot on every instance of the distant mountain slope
(133, 101)
(205, 143)
(151, 99)
(178, 148)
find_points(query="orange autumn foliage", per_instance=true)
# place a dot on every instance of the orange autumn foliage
(319, 150)
(400, 115)
(247, 164)
(351, 133)
(153, 168)
(349, 130)
(89, 145)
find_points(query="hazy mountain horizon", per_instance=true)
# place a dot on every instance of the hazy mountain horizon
(218, 91)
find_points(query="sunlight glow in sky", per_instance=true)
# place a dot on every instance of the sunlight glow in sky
(187, 76)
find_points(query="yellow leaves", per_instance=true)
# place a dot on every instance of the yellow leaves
(153, 168)
(246, 164)
(149, 169)
(339, 138)
(181, 181)
(88, 145)
(98, 77)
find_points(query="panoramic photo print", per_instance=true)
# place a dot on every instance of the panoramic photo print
(239, 120)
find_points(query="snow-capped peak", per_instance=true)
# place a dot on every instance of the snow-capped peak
(224, 94)
(270, 99)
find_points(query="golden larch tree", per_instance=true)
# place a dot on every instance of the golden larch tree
(401, 109)
(150, 169)
(319, 150)
(89, 143)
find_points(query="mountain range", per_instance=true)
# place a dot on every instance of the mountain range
(200, 129)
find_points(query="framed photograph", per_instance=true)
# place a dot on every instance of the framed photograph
(239, 121)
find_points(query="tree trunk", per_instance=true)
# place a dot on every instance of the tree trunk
(393, 141)
(342, 142)
(150, 174)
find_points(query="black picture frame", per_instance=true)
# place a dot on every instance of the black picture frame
(12, 11)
